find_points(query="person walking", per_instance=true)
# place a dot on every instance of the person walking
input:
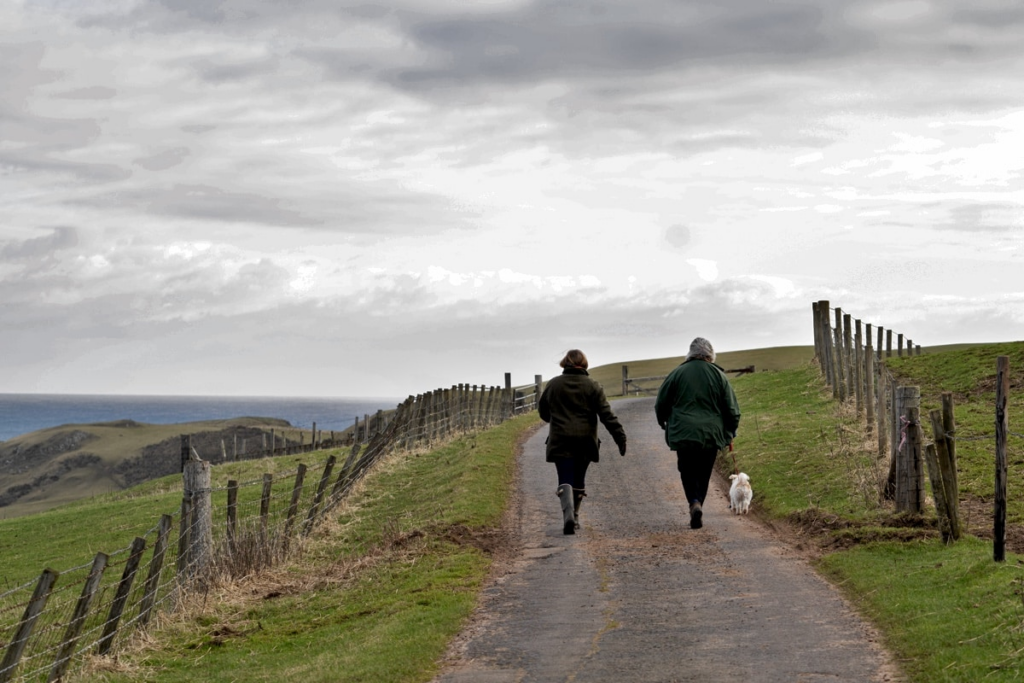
(698, 410)
(573, 403)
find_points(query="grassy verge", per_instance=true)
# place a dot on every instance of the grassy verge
(949, 613)
(378, 593)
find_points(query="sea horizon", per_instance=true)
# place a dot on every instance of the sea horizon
(22, 413)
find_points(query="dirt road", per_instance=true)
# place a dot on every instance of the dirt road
(637, 595)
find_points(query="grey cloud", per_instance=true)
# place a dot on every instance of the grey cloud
(95, 92)
(991, 217)
(213, 71)
(205, 202)
(61, 237)
(163, 160)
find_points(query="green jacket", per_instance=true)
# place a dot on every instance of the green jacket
(573, 403)
(696, 404)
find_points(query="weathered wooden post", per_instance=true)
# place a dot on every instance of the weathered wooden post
(899, 345)
(909, 473)
(232, 529)
(869, 378)
(74, 629)
(625, 380)
(888, 343)
(124, 588)
(858, 356)
(318, 496)
(186, 449)
(156, 564)
(1002, 430)
(949, 494)
(848, 358)
(508, 409)
(949, 429)
(878, 346)
(198, 490)
(35, 607)
(825, 330)
(268, 486)
(293, 506)
(839, 389)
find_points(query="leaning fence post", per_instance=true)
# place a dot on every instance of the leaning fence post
(268, 486)
(74, 629)
(319, 495)
(869, 381)
(947, 478)
(1002, 430)
(121, 596)
(293, 507)
(155, 567)
(35, 607)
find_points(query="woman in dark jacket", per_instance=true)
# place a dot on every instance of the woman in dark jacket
(573, 403)
(697, 408)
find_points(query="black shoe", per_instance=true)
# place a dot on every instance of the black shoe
(696, 515)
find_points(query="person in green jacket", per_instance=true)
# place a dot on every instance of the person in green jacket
(698, 410)
(573, 403)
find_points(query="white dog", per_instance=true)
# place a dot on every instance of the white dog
(740, 493)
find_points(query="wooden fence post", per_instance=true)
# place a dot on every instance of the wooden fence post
(124, 587)
(947, 496)
(858, 376)
(1002, 430)
(156, 565)
(869, 378)
(848, 358)
(232, 529)
(268, 486)
(196, 478)
(825, 329)
(35, 607)
(888, 343)
(318, 496)
(909, 474)
(293, 506)
(74, 629)
(839, 359)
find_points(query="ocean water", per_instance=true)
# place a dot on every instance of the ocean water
(23, 413)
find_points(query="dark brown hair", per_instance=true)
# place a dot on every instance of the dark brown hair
(574, 358)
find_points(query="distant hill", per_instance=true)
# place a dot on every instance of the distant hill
(46, 468)
(775, 358)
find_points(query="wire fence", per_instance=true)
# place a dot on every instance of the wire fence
(50, 624)
(856, 372)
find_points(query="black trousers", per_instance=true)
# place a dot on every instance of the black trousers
(572, 471)
(696, 462)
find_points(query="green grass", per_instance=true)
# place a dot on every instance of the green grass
(949, 613)
(377, 596)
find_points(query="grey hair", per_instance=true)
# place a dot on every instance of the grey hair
(701, 348)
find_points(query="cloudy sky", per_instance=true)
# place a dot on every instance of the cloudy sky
(375, 199)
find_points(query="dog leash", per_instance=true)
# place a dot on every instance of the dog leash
(735, 467)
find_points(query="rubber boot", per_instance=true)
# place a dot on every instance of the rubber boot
(577, 499)
(696, 515)
(568, 518)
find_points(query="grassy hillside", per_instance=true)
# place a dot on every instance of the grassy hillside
(775, 358)
(949, 612)
(54, 466)
(376, 595)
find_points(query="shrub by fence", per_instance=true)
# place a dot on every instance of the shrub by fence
(856, 371)
(53, 622)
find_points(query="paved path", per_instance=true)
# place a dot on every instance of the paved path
(637, 595)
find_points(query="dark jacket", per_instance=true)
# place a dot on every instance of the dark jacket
(696, 404)
(573, 403)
